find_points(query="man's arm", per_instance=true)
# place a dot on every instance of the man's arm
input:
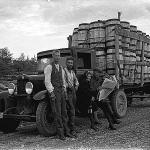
(47, 73)
(64, 78)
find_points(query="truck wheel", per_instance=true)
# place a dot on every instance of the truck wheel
(119, 103)
(8, 125)
(45, 120)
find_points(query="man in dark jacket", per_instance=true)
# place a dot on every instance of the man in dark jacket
(96, 82)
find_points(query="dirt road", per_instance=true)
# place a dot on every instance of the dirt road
(133, 132)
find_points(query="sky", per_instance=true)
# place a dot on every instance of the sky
(31, 26)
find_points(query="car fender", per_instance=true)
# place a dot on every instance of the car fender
(40, 95)
(4, 95)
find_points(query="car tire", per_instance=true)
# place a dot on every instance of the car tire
(45, 120)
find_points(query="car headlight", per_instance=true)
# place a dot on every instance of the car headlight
(29, 87)
(11, 88)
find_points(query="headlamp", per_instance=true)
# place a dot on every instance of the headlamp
(11, 88)
(29, 87)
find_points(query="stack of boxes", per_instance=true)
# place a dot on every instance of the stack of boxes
(100, 35)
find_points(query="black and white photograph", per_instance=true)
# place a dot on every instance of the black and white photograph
(74, 74)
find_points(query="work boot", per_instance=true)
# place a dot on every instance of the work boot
(117, 121)
(94, 128)
(73, 133)
(62, 137)
(111, 127)
(97, 122)
(69, 135)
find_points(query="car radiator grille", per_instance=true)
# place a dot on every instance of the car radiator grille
(21, 86)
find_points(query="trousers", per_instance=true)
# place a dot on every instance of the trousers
(106, 108)
(60, 112)
(71, 102)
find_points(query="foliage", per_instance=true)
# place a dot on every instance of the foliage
(11, 66)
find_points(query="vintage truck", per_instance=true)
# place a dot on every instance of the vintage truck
(28, 100)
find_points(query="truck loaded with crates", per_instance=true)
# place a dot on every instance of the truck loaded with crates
(113, 46)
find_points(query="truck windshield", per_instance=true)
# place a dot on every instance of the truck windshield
(44, 61)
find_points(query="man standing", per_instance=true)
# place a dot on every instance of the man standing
(96, 83)
(56, 86)
(72, 86)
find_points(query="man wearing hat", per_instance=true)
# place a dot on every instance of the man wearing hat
(97, 87)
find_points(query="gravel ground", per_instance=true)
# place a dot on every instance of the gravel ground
(132, 133)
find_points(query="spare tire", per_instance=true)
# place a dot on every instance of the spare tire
(119, 103)
(45, 119)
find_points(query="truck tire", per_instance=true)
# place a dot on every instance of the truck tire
(45, 120)
(8, 125)
(119, 103)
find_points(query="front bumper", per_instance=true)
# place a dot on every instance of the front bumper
(30, 118)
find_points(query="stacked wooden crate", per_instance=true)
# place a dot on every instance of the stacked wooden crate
(110, 45)
(133, 53)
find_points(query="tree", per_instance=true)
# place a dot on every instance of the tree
(5, 61)
(21, 57)
(25, 64)
(22, 64)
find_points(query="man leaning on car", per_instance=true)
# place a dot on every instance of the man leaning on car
(56, 86)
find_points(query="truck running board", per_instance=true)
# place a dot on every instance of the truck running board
(139, 96)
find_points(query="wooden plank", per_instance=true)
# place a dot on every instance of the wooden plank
(132, 35)
(132, 63)
(116, 55)
(142, 67)
(117, 65)
(139, 96)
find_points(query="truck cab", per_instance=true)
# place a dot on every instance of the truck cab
(84, 59)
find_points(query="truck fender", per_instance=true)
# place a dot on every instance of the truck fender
(40, 95)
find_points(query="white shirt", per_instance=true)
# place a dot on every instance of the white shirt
(71, 78)
(57, 66)
(47, 73)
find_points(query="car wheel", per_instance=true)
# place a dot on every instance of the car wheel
(45, 119)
